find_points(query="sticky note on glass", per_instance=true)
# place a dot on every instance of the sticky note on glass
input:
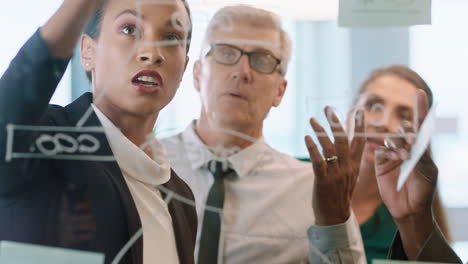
(384, 13)
(15, 260)
(403, 262)
(19, 253)
(426, 130)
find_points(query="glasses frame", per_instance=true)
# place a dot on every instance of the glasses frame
(248, 54)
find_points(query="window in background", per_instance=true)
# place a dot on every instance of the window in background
(321, 70)
(439, 53)
(21, 18)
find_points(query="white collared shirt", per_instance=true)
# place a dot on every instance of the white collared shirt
(142, 175)
(268, 215)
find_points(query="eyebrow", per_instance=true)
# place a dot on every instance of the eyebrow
(131, 12)
(169, 23)
(404, 108)
(374, 97)
(262, 50)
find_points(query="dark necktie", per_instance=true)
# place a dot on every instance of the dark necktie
(211, 229)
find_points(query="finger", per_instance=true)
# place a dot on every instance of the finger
(407, 131)
(383, 155)
(387, 182)
(399, 146)
(427, 168)
(423, 106)
(339, 135)
(327, 146)
(359, 140)
(318, 163)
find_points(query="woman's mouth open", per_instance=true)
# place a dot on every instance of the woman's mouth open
(147, 81)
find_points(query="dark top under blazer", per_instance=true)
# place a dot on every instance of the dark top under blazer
(74, 204)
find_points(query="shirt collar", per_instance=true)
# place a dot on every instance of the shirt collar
(132, 160)
(243, 161)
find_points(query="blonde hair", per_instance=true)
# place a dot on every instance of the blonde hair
(407, 74)
(227, 17)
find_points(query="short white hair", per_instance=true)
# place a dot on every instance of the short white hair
(228, 16)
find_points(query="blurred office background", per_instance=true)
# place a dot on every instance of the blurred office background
(328, 65)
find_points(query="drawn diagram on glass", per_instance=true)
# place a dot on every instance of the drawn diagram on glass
(81, 142)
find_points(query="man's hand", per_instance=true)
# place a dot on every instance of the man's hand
(336, 175)
(411, 207)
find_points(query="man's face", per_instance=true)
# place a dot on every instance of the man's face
(237, 96)
(140, 56)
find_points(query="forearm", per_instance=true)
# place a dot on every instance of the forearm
(33, 75)
(414, 231)
(435, 249)
(63, 30)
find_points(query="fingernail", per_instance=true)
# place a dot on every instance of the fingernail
(389, 143)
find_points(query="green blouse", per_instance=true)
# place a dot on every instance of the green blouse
(378, 233)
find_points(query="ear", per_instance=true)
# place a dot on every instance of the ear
(280, 92)
(196, 74)
(87, 48)
(187, 59)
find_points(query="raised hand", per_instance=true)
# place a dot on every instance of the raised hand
(64, 28)
(411, 207)
(337, 171)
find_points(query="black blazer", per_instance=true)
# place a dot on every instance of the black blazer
(58, 200)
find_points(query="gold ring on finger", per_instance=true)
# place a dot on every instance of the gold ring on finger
(331, 159)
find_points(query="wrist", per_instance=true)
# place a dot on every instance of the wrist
(414, 231)
(331, 219)
(418, 220)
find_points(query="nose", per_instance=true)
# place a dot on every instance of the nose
(386, 123)
(378, 120)
(151, 54)
(242, 70)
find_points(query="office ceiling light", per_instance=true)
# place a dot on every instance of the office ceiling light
(293, 9)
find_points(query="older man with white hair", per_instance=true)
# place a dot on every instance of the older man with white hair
(255, 204)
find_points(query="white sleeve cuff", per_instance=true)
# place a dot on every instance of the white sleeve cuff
(345, 235)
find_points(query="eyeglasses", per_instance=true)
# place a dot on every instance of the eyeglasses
(262, 62)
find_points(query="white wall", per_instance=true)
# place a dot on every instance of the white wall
(19, 20)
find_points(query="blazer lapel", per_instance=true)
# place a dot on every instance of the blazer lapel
(76, 111)
(183, 227)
